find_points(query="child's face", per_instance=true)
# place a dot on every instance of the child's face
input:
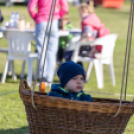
(76, 84)
(83, 12)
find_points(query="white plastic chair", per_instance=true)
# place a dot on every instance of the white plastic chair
(1, 35)
(108, 43)
(76, 32)
(72, 43)
(5, 50)
(19, 48)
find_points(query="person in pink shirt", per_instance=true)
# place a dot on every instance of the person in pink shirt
(41, 17)
(91, 26)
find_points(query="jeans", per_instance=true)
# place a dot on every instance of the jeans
(50, 61)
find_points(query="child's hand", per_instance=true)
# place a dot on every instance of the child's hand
(92, 38)
(86, 39)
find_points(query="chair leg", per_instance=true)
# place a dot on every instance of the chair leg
(99, 73)
(111, 70)
(23, 69)
(30, 71)
(14, 77)
(3, 78)
(10, 68)
(90, 66)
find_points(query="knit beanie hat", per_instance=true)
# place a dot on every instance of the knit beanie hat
(68, 70)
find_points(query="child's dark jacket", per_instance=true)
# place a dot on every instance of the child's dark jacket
(58, 91)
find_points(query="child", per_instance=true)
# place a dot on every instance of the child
(64, 24)
(71, 76)
(1, 17)
(91, 26)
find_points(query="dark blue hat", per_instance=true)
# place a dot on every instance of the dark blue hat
(68, 70)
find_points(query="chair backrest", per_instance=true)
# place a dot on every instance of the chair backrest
(108, 44)
(19, 43)
(73, 42)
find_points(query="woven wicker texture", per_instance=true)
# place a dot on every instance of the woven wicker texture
(62, 116)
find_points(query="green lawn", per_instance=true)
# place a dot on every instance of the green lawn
(12, 113)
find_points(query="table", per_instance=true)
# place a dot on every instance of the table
(61, 33)
(18, 33)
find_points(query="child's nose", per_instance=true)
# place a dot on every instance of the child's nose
(79, 81)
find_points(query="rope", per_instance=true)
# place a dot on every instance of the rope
(49, 34)
(9, 92)
(48, 30)
(127, 56)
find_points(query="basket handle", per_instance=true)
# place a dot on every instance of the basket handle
(133, 105)
(23, 85)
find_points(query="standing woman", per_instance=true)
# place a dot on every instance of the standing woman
(41, 16)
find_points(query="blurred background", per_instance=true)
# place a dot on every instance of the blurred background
(114, 16)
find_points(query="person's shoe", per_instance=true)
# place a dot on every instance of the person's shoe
(41, 79)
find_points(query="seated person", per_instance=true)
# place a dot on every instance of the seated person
(71, 76)
(91, 28)
(64, 24)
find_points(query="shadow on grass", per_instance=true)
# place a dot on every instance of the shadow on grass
(10, 80)
(21, 130)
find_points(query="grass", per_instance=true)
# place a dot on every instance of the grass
(12, 113)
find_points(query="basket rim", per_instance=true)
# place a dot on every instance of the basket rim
(101, 105)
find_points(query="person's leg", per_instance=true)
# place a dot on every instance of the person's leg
(92, 52)
(51, 53)
(40, 33)
(60, 55)
(67, 55)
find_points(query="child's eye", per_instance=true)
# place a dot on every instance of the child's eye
(74, 78)
(82, 78)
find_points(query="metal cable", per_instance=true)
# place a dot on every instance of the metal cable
(127, 56)
(49, 34)
(129, 49)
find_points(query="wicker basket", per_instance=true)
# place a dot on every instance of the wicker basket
(62, 116)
